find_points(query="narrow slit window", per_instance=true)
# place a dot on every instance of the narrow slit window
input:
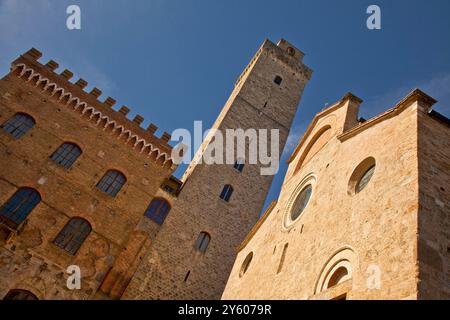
(226, 193)
(283, 257)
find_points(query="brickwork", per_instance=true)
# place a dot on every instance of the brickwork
(108, 140)
(174, 269)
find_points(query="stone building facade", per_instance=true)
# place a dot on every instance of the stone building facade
(265, 96)
(43, 116)
(81, 185)
(363, 212)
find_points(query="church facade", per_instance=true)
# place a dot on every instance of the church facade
(363, 212)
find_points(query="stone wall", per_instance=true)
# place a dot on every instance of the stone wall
(434, 212)
(174, 269)
(371, 234)
(31, 261)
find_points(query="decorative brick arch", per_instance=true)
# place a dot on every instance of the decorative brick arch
(91, 114)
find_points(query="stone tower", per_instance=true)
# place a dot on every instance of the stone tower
(265, 96)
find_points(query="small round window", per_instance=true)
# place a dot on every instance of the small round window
(362, 183)
(246, 264)
(361, 176)
(291, 51)
(301, 202)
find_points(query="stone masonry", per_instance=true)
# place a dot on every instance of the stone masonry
(388, 241)
(63, 112)
(174, 269)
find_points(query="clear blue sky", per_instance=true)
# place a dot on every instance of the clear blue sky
(176, 61)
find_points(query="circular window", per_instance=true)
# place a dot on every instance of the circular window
(361, 176)
(362, 183)
(246, 264)
(291, 51)
(298, 201)
(301, 202)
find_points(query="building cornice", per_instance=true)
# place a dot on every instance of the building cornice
(27, 68)
(415, 96)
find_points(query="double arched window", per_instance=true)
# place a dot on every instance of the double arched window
(19, 206)
(18, 125)
(66, 154)
(112, 182)
(202, 242)
(158, 210)
(227, 191)
(72, 236)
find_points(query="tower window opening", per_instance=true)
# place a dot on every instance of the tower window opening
(226, 193)
(239, 165)
(187, 276)
(202, 242)
(278, 80)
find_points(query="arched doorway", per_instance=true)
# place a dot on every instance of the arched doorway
(18, 294)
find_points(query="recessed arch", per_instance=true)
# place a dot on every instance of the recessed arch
(20, 294)
(338, 268)
(318, 141)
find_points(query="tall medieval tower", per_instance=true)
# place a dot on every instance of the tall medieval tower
(265, 96)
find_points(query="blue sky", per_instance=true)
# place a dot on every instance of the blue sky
(176, 61)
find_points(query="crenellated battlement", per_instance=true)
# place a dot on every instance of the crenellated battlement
(283, 51)
(89, 106)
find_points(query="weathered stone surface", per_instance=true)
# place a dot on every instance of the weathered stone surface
(396, 227)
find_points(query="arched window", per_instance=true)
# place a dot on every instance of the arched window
(226, 193)
(239, 165)
(362, 183)
(202, 242)
(17, 294)
(66, 155)
(361, 176)
(338, 276)
(18, 125)
(72, 236)
(19, 206)
(112, 182)
(158, 210)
